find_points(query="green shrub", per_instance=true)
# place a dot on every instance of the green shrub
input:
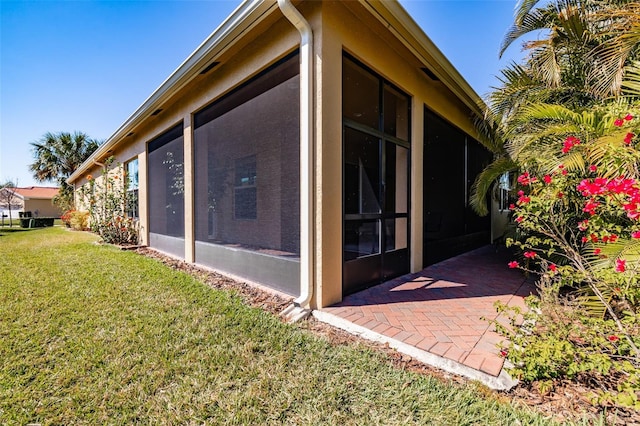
(79, 220)
(578, 228)
(107, 206)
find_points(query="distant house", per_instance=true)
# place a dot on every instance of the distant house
(314, 147)
(34, 200)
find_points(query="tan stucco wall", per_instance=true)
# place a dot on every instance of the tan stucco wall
(42, 208)
(348, 27)
(338, 27)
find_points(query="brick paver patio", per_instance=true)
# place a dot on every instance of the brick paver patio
(444, 309)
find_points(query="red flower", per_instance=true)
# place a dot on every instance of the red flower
(553, 267)
(613, 238)
(635, 234)
(564, 172)
(524, 179)
(613, 338)
(513, 264)
(519, 219)
(530, 254)
(621, 265)
(628, 117)
(547, 179)
(585, 239)
(619, 122)
(523, 199)
(569, 143)
(560, 195)
(591, 206)
(512, 206)
(593, 168)
(504, 353)
(597, 251)
(628, 138)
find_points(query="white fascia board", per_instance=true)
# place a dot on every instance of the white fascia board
(399, 22)
(246, 16)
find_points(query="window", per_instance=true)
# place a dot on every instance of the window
(166, 183)
(245, 188)
(247, 165)
(504, 184)
(131, 170)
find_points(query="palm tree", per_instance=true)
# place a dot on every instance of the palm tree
(57, 156)
(579, 61)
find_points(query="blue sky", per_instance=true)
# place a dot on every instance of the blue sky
(87, 65)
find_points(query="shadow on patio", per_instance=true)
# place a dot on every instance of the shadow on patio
(441, 315)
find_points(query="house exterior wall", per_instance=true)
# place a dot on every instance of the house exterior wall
(41, 208)
(338, 27)
(348, 27)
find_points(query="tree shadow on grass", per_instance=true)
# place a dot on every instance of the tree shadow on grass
(5, 230)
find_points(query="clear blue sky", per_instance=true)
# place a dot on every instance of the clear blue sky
(87, 65)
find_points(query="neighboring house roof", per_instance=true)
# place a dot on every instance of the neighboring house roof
(249, 14)
(35, 192)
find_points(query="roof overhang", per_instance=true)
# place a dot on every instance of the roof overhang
(249, 14)
(246, 16)
(401, 24)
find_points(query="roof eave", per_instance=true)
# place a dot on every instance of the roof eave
(247, 15)
(399, 22)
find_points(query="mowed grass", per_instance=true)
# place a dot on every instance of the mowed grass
(90, 334)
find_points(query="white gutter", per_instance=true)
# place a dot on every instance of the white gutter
(300, 307)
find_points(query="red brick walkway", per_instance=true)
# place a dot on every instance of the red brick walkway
(444, 309)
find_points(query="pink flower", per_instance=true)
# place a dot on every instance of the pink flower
(590, 206)
(512, 206)
(628, 138)
(519, 219)
(628, 117)
(583, 224)
(530, 254)
(523, 199)
(613, 338)
(584, 239)
(635, 234)
(524, 179)
(619, 122)
(513, 264)
(593, 168)
(547, 179)
(569, 143)
(621, 265)
(564, 172)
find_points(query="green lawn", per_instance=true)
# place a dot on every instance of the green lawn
(90, 334)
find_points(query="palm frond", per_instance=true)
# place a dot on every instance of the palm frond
(632, 82)
(481, 187)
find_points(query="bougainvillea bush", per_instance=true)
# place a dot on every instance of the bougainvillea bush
(578, 228)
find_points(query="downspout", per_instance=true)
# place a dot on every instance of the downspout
(300, 307)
